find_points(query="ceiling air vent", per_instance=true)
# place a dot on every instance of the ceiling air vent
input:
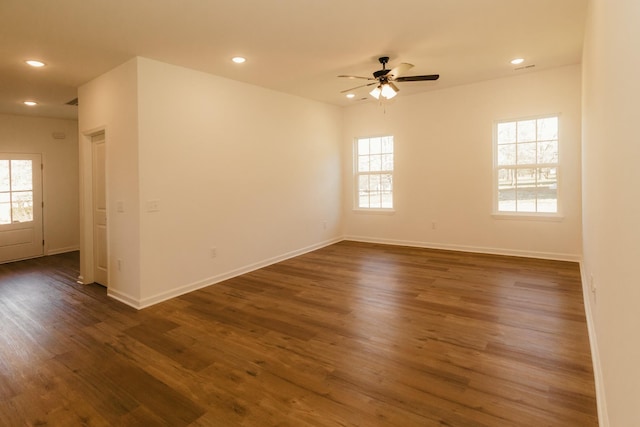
(74, 101)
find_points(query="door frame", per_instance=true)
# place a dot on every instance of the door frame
(38, 189)
(87, 262)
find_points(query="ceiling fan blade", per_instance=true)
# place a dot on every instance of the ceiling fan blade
(400, 69)
(394, 87)
(358, 87)
(356, 77)
(417, 78)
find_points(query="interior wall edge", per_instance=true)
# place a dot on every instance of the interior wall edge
(463, 248)
(603, 418)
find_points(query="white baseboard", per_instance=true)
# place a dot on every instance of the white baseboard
(124, 298)
(57, 251)
(463, 248)
(163, 296)
(603, 416)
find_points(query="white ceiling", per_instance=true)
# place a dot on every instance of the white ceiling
(292, 46)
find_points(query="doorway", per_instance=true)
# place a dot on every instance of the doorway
(20, 206)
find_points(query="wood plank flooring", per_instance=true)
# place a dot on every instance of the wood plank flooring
(353, 334)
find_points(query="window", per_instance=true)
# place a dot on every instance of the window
(374, 172)
(16, 191)
(526, 165)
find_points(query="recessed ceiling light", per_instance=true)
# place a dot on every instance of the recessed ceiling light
(34, 63)
(238, 59)
(517, 61)
(350, 95)
(30, 103)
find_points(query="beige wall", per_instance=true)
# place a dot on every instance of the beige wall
(110, 104)
(253, 173)
(20, 134)
(611, 148)
(443, 166)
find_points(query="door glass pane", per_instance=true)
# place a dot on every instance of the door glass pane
(22, 206)
(21, 173)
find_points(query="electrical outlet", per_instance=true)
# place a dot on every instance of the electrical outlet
(153, 205)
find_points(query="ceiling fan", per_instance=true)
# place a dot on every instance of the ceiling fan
(384, 79)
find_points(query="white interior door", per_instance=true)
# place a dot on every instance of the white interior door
(100, 259)
(20, 206)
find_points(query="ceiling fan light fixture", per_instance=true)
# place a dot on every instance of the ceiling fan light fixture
(387, 91)
(376, 92)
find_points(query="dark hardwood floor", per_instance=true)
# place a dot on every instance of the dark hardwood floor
(350, 335)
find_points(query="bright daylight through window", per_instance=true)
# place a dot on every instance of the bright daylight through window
(526, 165)
(16, 191)
(374, 172)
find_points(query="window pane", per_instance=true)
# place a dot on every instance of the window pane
(507, 154)
(363, 163)
(363, 146)
(387, 162)
(527, 131)
(527, 153)
(527, 187)
(5, 208)
(548, 152)
(387, 144)
(386, 183)
(507, 190)
(548, 129)
(547, 190)
(526, 190)
(506, 133)
(4, 175)
(375, 146)
(374, 172)
(363, 191)
(21, 175)
(22, 206)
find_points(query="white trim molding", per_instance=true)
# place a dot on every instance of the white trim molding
(190, 287)
(603, 416)
(464, 248)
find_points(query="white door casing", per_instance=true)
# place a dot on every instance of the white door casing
(100, 258)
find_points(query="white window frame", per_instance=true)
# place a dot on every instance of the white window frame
(539, 215)
(357, 173)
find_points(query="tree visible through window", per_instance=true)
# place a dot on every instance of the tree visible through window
(16, 191)
(374, 172)
(526, 165)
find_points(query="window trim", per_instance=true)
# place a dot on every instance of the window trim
(535, 216)
(356, 174)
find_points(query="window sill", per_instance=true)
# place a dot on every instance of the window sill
(528, 216)
(374, 211)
